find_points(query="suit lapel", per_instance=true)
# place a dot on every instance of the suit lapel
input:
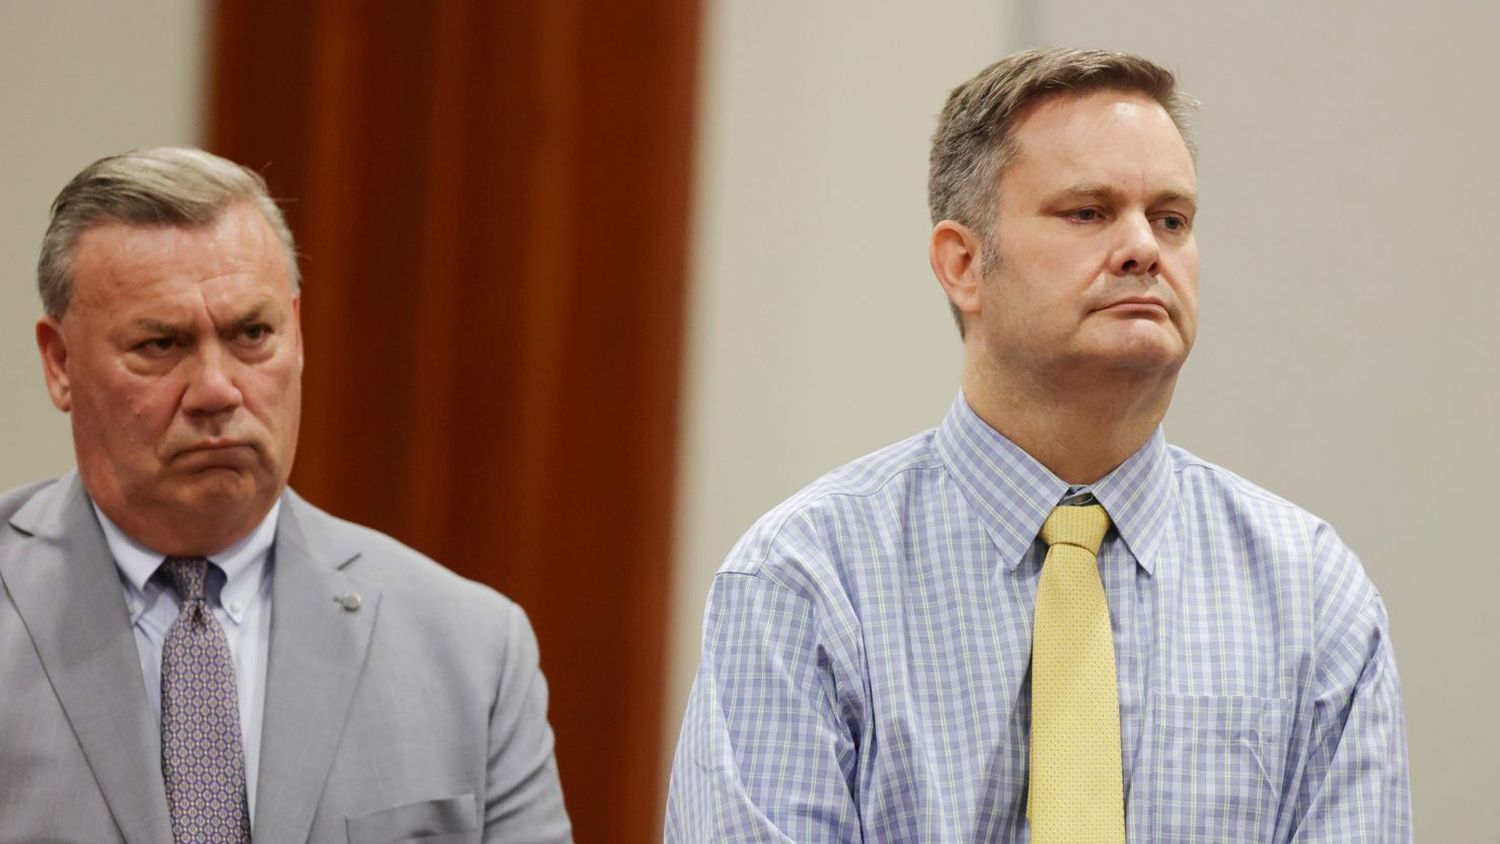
(316, 655)
(66, 588)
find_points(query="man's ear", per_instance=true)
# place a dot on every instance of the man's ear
(54, 349)
(297, 325)
(956, 258)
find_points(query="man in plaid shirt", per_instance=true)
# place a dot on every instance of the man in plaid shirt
(867, 652)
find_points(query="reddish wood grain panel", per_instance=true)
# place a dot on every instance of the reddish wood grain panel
(491, 202)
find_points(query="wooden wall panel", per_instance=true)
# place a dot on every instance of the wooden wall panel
(491, 203)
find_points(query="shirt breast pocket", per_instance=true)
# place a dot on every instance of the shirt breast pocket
(1217, 769)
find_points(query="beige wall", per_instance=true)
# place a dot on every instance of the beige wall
(1346, 359)
(815, 333)
(82, 79)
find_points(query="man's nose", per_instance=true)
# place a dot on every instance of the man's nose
(1137, 252)
(211, 387)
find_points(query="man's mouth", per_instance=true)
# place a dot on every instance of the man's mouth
(1142, 303)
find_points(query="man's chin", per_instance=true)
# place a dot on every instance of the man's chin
(219, 490)
(1163, 361)
(1142, 348)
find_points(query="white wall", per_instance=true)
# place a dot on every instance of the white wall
(83, 79)
(1346, 356)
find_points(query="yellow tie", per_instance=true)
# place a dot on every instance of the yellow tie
(1077, 790)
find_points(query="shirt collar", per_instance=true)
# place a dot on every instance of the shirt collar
(243, 563)
(1013, 493)
(1139, 495)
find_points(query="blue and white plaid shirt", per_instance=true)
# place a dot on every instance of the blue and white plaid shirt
(866, 645)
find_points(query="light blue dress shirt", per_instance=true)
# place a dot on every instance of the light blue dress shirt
(866, 648)
(241, 603)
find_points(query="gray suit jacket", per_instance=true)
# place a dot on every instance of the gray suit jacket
(418, 716)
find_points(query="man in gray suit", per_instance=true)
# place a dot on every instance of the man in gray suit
(188, 650)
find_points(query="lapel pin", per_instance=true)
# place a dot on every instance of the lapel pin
(349, 601)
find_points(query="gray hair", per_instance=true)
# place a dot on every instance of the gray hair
(165, 186)
(975, 137)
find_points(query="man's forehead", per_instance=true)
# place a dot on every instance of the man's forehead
(1081, 109)
(115, 257)
(1085, 140)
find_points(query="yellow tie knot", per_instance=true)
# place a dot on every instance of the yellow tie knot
(1081, 526)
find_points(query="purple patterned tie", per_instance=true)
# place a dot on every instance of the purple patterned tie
(202, 752)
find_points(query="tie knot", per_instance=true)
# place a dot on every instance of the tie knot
(1081, 526)
(187, 575)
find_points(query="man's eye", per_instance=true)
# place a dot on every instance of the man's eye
(158, 344)
(1173, 224)
(1085, 214)
(255, 335)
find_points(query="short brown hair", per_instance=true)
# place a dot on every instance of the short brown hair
(166, 186)
(974, 140)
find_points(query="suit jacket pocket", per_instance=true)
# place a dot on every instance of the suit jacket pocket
(1218, 763)
(423, 821)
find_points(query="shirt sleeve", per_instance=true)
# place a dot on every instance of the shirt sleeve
(1355, 785)
(767, 751)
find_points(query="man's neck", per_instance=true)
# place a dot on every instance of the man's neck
(1080, 429)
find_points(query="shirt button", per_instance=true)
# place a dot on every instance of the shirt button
(234, 608)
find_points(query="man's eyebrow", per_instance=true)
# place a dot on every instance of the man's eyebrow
(252, 315)
(1103, 191)
(1088, 191)
(256, 313)
(1184, 197)
(154, 326)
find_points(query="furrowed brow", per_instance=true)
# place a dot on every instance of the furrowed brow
(255, 314)
(153, 326)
